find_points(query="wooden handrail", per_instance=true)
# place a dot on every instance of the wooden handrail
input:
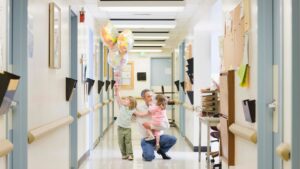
(43, 130)
(83, 112)
(188, 106)
(5, 147)
(284, 151)
(244, 132)
(98, 106)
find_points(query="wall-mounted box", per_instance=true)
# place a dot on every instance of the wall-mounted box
(8, 86)
(141, 76)
(100, 85)
(249, 110)
(182, 85)
(191, 96)
(107, 83)
(70, 87)
(113, 82)
(90, 84)
(177, 84)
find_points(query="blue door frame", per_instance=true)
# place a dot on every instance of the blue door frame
(269, 54)
(20, 67)
(101, 94)
(295, 155)
(73, 101)
(182, 92)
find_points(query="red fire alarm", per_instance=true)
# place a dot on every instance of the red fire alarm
(82, 15)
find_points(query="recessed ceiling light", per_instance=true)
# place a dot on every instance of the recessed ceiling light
(142, 8)
(149, 44)
(148, 26)
(151, 37)
(146, 50)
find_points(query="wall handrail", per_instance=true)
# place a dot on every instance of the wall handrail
(244, 132)
(188, 106)
(83, 112)
(43, 130)
(98, 106)
(5, 147)
(284, 151)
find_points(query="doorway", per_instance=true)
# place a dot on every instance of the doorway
(73, 102)
(270, 83)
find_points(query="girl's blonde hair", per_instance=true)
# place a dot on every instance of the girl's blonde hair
(133, 103)
(161, 100)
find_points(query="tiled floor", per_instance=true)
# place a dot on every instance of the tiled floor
(107, 154)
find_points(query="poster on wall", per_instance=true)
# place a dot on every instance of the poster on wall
(127, 76)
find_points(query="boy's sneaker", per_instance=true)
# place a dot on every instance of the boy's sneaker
(124, 157)
(130, 157)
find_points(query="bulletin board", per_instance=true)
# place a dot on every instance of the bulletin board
(188, 55)
(127, 76)
(236, 25)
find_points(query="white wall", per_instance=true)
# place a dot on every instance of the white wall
(3, 67)
(46, 90)
(141, 64)
(87, 132)
(248, 161)
(287, 87)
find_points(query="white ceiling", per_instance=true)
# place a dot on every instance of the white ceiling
(182, 18)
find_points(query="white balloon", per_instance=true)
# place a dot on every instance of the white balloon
(115, 60)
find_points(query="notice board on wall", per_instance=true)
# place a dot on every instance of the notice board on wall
(237, 23)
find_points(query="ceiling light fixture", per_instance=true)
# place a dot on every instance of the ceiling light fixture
(142, 8)
(150, 37)
(149, 44)
(146, 50)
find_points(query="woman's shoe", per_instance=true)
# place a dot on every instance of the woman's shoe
(124, 157)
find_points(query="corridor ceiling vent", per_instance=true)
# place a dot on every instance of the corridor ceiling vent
(152, 22)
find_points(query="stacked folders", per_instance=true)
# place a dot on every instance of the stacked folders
(210, 102)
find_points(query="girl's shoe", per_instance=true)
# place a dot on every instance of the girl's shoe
(130, 158)
(150, 138)
(124, 157)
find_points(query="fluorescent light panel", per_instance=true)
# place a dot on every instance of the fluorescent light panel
(142, 8)
(144, 24)
(146, 50)
(149, 44)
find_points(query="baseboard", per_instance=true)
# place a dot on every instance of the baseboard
(195, 148)
(84, 157)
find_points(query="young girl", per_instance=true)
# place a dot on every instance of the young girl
(159, 119)
(127, 108)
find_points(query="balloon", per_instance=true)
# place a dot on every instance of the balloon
(125, 41)
(109, 35)
(115, 60)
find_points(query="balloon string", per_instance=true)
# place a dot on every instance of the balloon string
(117, 76)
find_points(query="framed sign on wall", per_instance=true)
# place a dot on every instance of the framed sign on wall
(127, 76)
(55, 36)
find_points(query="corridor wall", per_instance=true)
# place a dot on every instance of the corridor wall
(241, 145)
(3, 59)
(287, 75)
(46, 89)
(88, 126)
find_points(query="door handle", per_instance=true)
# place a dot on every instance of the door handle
(273, 105)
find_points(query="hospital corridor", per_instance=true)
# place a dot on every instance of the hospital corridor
(149, 84)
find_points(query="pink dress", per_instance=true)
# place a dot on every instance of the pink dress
(159, 119)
